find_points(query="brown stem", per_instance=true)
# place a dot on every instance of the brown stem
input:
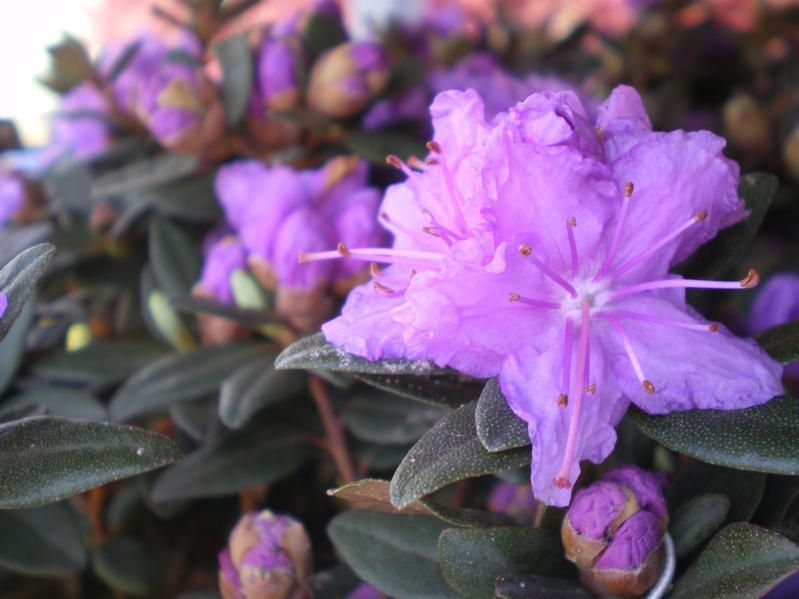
(335, 434)
(96, 504)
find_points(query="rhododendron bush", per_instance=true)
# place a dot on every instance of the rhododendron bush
(406, 300)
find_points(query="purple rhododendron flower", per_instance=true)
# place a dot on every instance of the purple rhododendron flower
(788, 589)
(365, 591)
(279, 64)
(3, 304)
(537, 248)
(278, 211)
(80, 125)
(12, 196)
(776, 303)
(223, 257)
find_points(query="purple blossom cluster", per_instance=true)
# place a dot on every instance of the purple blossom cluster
(536, 248)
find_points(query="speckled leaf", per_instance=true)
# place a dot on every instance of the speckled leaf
(100, 364)
(473, 559)
(174, 261)
(177, 378)
(741, 562)
(235, 59)
(385, 418)
(538, 587)
(727, 249)
(450, 390)
(498, 428)
(782, 343)
(780, 494)
(764, 438)
(449, 452)
(60, 401)
(130, 566)
(12, 348)
(262, 452)
(396, 553)
(18, 279)
(695, 521)
(44, 541)
(46, 459)
(255, 386)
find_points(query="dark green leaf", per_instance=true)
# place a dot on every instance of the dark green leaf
(99, 364)
(386, 418)
(449, 452)
(191, 199)
(780, 494)
(335, 583)
(374, 146)
(143, 174)
(473, 559)
(763, 439)
(61, 401)
(463, 517)
(174, 261)
(782, 343)
(449, 389)
(18, 279)
(262, 452)
(394, 552)
(130, 566)
(498, 427)
(45, 541)
(741, 562)
(189, 303)
(201, 595)
(728, 248)
(14, 241)
(235, 59)
(380, 458)
(177, 378)
(197, 417)
(46, 459)
(743, 489)
(255, 386)
(537, 587)
(12, 348)
(697, 520)
(322, 31)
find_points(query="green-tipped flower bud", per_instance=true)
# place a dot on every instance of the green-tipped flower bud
(247, 293)
(614, 533)
(79, 335)
(168, 322)
(268, 557)
(343, 80)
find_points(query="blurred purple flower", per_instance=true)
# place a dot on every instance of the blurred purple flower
(12, 196)
(223, 257)
(279, 67)
(365, 591)
(513, 500)
(80, 126)
(409, 106)
(787, 589)
(777, 303)
(537, 249)
(268, 557)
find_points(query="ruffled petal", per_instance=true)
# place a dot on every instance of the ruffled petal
(689, 368)
(623, 113)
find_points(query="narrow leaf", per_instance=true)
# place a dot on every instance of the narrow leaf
(174, 260)
(498, 427)
(385, 418)
(18, 279)
(782, 343)
(235, 59)
(697, 520)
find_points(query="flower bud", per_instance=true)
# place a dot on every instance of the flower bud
(168, 322)
(79, 335)
(746, 125)
(268, 557)
(344, 79)
(12, 196)
(181, 110)
(614, 533)
(280, 63)
(246, 290)
(80, 127)
(512, 500)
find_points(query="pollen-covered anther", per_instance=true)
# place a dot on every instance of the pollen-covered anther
(514, 297)
(591, 388)
(393, 160)
(751, 279)
(571, 221)
(433, 146)
(563, 400)
(414, 162)
(648, 386)
(525, 250)
(713, 327)
(700, 216)
(342, 250)
(629, 187)
(561, 482)
(380, 288)
(374, 270)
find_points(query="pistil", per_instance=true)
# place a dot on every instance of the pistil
(384, 255)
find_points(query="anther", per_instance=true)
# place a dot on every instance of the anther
(342, 250)
(431, 231)
(648, 386)
(563, 400)
(414, 162)
(433, 146)
(380, 288)
(629, 187)
(600, 133)
(384, 216)
(751, 279)
(374, 270)
(514, 297)
(393, 160)
(713, 327)
(571, 221)
(700, 216)
(591, 388)
(561, 482)
(525, 250)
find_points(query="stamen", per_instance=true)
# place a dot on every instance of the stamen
(526, 251)
(751, 279)
(562, 481)
(385, 255)
(565, 364)
(629, 187)
(633, 357)
(456, 199)
(591, 388)
(382, 289)
(374, 270)
(536, 303)
(712, 327)
(414, 162)
(439, 232)
(696, 218)
(570, 224)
